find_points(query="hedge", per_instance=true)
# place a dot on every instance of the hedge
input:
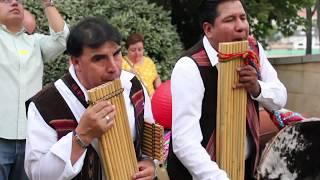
(162, 42)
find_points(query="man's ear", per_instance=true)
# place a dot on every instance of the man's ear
(74, 61)
(207, 29)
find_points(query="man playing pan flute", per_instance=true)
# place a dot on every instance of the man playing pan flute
(194, 94)
(62, 131)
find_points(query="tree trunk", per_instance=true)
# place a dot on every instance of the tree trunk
(318, 21)
(309, 31)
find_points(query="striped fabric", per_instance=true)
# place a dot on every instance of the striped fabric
(63, 126)
(202, 58)
(137, 99)
(55, 111)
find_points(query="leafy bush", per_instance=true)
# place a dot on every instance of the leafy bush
(162, 43)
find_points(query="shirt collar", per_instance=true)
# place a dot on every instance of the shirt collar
(4, 27)
(212, 53)
(74, 76)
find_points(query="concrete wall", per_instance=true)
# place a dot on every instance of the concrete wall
(301, 76)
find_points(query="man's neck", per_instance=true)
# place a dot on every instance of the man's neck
(13, 27)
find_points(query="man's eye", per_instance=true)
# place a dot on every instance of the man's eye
(98, 58)
(229, 19)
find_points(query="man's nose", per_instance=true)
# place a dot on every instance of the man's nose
(112, 65)
(241, 25)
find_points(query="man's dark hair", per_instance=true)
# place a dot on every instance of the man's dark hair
(134, 38)
(208, 10)
(91, 32)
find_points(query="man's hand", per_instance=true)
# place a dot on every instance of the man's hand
(55, 20)
(248, 79)
(95, 121)
(146, 170)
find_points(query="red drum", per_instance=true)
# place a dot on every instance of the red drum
(294, 153)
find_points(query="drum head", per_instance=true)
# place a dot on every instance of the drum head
(294, 153)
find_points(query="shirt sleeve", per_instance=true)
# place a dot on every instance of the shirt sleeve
(54, 44)
(45, 157)
(273, 94)
(187, 93)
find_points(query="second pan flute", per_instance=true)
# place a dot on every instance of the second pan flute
(231, 113)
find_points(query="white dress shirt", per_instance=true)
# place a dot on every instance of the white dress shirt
(49, 159)
(21, 72)
(187, 94)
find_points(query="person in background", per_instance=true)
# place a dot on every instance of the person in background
(29, 22)
(21, 71)
(139, 64)
(63, 131)
(194, 95)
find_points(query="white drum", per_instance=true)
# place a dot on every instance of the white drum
(294, 153)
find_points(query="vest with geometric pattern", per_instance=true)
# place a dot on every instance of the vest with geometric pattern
(58, 116)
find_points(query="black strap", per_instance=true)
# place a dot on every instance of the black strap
(139, 114)
(75, 88)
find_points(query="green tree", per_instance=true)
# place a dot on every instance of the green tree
(162, 42)
(270, 14)
(310, 11)
(264, 16)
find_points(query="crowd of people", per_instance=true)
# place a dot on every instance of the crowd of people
(51, 132)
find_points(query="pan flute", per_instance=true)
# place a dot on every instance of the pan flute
(231, 113)
(116, 147)
(152, 141)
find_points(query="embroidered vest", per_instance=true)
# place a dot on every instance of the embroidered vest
(209, 75)
(58, 115)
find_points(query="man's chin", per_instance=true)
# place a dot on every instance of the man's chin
(15, 18)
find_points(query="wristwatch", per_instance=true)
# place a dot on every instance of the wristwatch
(79, 141)
(47, 3)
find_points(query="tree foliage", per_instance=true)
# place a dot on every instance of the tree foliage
(264, 16)
(162, 42)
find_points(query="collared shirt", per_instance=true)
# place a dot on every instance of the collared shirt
(187, 93)
(42, 147)
(21, 71)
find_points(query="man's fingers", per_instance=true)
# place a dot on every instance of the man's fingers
(106, 111)
(243, 85)
(141, 175)
(110, 116)
(247, 71)
(247, 79)
(100, 105)
(146, 170)
(144, 178)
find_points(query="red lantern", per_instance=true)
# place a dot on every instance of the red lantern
(161, 104)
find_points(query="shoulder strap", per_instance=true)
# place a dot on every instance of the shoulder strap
(137, 99)
(75, 89)
(253, 44)
(201, 58)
